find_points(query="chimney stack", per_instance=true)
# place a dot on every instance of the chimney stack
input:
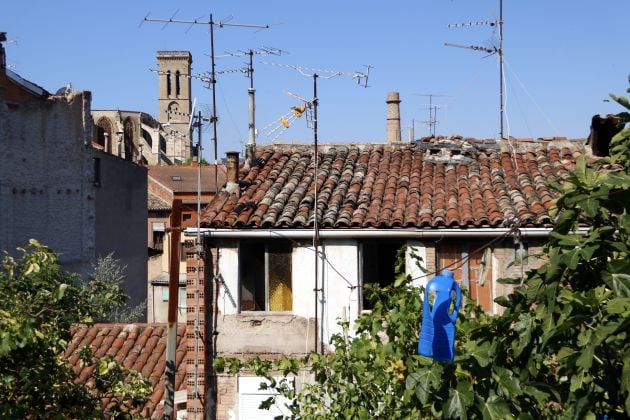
(231, 185)
(393, 117)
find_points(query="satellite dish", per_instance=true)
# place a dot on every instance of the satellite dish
(64, 90)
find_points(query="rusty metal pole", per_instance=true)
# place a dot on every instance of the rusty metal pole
(173, 299)
(315, 226)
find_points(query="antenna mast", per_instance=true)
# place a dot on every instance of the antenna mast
(315, 73)
(250, 148)
(490, 51)
(210, 386)
(433, 121)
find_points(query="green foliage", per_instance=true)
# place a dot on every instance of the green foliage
(39, 305)
(560, 349)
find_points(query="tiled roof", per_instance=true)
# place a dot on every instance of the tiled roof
(184, 178)
(155, 203)
(141, 347)
(452, 183)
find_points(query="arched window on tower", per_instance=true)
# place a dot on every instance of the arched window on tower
(168, 83)
(177, 83)
(104, 133)
(128, 139)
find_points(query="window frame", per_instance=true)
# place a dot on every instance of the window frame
(266, 265)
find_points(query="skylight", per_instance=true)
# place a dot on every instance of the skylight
(176, 177)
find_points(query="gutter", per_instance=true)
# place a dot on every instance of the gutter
(369, 233)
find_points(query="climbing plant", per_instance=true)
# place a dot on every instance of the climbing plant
(560, 349)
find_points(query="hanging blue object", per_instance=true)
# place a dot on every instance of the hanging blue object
(437, 336)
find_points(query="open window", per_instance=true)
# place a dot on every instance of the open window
(265, 276)
(377, 264)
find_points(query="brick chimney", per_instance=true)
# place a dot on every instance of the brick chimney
(393, 117)
(231, 185)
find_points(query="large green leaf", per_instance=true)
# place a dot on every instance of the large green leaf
(495, 408)
(459, 399)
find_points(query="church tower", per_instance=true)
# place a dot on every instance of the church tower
(174, 102)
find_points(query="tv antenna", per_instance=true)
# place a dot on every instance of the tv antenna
(316, 73)
(432, 122)
(250, 148)
(490, 51)
(169, 396)
(279, 126)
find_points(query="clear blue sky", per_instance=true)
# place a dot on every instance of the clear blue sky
(562, 60)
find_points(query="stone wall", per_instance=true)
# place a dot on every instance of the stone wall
(46, 189)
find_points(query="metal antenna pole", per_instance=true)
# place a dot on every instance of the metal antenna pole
(490, 51)
(501, 97)
(213, 118)
(250, 149)
(361, 79)
(210, 388)
(198, 261)
(315, 213)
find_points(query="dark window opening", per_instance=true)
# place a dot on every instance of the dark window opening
(265, 276)
(97, 171)
(177, 83)
(168, 83)
(186, 216)
(128, 139)
(378, 264)
(158, 240)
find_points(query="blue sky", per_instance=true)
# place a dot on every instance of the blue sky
(562, 59)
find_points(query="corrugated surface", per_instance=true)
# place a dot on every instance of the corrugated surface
(141, 347)
(393, 186)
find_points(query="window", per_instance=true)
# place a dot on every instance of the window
(250, 395)
(158, 229)
(265, 276)
(97, 171)
(168, 83)
(177, 83)
(378, 264)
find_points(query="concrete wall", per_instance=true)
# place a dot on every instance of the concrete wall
(121, 220)
(46, 189)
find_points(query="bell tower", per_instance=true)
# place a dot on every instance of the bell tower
(174, 102)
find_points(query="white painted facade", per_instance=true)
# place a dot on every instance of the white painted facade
(338, 280)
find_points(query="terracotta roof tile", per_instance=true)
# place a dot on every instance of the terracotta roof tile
(141, 347)
(423, 185)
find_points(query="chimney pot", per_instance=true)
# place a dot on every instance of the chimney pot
(232, 172)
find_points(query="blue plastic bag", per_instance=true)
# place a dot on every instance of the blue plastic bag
(437, 334)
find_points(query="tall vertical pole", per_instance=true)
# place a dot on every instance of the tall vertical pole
(198, 258)
(213, 118)
(250, 151)
(501, 63)
(173, 299)
(315, 226)
(209, 389)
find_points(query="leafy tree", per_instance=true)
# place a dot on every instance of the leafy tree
(40, 303)
(560, 349)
